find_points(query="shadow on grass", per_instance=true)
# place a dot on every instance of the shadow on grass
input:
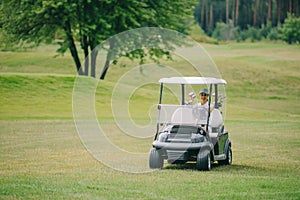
(215, 167)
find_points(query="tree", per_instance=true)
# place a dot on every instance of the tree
(263, 21)
(296, 8)
(256, 5)
(211, 19)
(206, 15)
(227, 11)
(237, 12)
(233, 11)
(278, 5)
(290, 31)
(270, 10)
(89, 22)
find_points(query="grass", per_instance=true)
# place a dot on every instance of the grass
(42, 156)
(49, 162)
(36, 96)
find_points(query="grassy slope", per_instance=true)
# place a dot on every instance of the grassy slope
(42, 157)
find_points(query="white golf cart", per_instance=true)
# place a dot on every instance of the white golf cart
(188, 132)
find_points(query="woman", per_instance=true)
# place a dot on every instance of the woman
(204, 99)
(203, 107)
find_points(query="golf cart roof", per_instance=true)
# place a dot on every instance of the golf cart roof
(192, 80)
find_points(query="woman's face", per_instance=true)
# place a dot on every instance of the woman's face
(204, 97)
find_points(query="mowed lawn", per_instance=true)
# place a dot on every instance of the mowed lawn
(42, 156)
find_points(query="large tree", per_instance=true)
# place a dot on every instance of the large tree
(89, 22)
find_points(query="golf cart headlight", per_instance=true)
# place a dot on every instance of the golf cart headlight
(163, 137)
(195, 138)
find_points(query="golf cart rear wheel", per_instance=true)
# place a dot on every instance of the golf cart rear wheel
(155, 159)
(228, 159)
(203, 161)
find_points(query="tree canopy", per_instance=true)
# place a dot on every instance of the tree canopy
(88, 22)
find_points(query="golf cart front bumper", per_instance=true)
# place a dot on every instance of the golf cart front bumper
(182, 146)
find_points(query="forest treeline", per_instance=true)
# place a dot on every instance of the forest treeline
(84, 24)
(249, 19)
(244, 13)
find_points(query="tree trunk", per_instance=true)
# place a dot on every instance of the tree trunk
(270, 10)
(72, 46)
(94, 54)
(255, 12)
(237, 11)
(285, 9)
(83, 37)
(85, 47)
(93, 63)
(211, 15)
(290, 6)
(227, 11)
(221, 15)
(202, 14)
(278, 12)
(296, 8)
(104, 71)
(232, 13)
(206, 14)
(108, 59)
(263, 21)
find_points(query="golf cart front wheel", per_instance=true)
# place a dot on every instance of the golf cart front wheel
(155, 159)
(228, 160)
(203, 161)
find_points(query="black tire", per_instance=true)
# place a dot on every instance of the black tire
(203, 161)
(228, 160)
(155, 159)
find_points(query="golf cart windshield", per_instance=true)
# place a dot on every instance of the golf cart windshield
(182, 114)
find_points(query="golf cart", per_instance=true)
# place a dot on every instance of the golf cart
(187, 132)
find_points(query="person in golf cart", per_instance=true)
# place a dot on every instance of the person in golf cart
(204, 99)
(202, 106)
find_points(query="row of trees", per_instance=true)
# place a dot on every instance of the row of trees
(243, 13)
(89, 22)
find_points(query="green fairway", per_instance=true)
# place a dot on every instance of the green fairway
(42, 156)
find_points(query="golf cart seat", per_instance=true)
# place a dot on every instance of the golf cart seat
(216, 122)
(182, 115)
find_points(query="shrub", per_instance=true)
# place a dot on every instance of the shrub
(290, 31)
(6, 41)
(266, 29)
(199, 35)
(225, 31)
(273, 34)
(253, 33)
